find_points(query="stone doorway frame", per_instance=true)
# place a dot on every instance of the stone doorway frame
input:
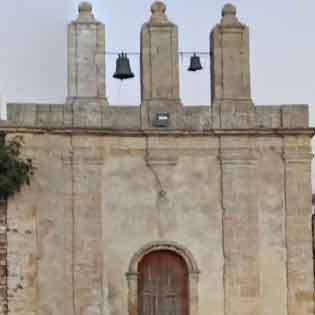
(193, 274)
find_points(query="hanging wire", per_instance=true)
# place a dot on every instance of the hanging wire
(119, 90)
(181, 58)
(120, 96)
(181, 53)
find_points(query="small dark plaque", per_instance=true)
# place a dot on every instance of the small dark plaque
(161, 120)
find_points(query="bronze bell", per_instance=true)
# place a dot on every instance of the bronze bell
(195, 63)
(123, 70)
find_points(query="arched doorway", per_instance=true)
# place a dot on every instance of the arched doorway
(162, 284)
(183, 257)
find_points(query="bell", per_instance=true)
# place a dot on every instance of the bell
(123, 70)
(195, 63)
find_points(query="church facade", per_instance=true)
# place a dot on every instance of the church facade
(161, 209)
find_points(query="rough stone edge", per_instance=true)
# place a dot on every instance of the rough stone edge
(3, 251)
(286, 116)
(313, 243)
(3, 259)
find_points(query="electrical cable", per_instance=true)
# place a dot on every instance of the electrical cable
(181, 53)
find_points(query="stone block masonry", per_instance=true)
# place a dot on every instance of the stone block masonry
(3, 259)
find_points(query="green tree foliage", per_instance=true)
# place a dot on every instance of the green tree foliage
(15, 171)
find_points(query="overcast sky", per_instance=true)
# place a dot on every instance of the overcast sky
(33, 47)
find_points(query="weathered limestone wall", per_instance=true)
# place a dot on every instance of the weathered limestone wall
(87, 247)
(299, 225)
(240, 222)
(3, 258)
(36, 235)
(159, 68)
(73, 233)
(23, 249)
(272, 227)
(67, 222)
(230, 59)
(189, 213)
(86, 59)
(194, 118)
(159, 58)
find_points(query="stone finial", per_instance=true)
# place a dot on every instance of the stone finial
(229, 9)
(229, 15)
(158, 10)
(85, 7)
(85, 12)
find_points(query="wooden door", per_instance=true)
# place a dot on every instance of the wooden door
(163, 284)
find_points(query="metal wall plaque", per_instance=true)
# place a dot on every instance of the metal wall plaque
(161, 120)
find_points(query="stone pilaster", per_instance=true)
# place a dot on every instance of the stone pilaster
(230, 58)
(159, 65)
(300, 281)
(86, 58)
(230, 72)
(272, 228)
(240, 227)
(3, 259)
(87, 253)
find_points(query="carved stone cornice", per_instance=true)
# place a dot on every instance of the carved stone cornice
(297, 157)
(9, 128)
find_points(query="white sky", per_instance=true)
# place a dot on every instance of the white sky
(33, 47)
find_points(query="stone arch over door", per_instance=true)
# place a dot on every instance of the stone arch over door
(184, 253)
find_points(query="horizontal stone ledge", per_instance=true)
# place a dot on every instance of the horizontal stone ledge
(298, 157)
(154, 132)
(305, 296)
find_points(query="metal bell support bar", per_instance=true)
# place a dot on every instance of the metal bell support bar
(123, 70)
(195, 63)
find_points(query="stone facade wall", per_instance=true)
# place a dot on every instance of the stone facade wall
(73, 233)
(229, 184)
(3, 259)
